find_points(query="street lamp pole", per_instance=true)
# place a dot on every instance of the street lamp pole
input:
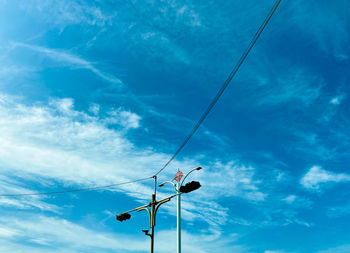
(177, 189)
(178, 221)
(151, 209)
(154, 205)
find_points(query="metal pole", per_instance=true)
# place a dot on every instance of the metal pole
(152, 211)
(153, 217)
(178, 221)
(177, 189)
(155, 185)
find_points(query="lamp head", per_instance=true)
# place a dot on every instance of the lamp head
(191, 186)
(199, 168)
(123, 217)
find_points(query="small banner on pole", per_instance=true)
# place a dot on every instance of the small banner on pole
(178, 176)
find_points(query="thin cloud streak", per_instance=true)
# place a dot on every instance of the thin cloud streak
(71, 59)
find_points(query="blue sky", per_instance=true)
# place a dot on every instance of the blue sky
(100, 92)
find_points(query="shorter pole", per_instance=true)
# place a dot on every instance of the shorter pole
(152, 209)
(152, 223)
(178, 221)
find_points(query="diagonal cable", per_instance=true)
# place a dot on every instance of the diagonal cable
(224, 86)
(200, 121)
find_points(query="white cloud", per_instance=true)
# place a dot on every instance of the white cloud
(70, 59)
(312, 144)
(65, 105)
(62, 13)
(94, 109)
(27, 203)
(147, 35)
(8, 71)
(275, 251)
(336, 100)
(280, 176)
(125, 118)
(297, 202)
(22, 203)
(55, 143)
(330, 34)
(340, 249)
(5, 232)
(337, 211)
(50, 138)
(189, 16)
(295, 86)
(290, 199)
(145, 32)
(239, 179)
(60, 235)
(160, 44)
(342, 57)
(205, 242)
(317, 176)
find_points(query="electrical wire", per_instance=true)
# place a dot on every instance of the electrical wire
(200, 121)
(224, 86)
(74, 190)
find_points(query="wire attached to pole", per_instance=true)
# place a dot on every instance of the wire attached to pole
(74, 190)
(224, 86)
(200, 121)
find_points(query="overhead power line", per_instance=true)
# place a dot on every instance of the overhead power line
(74, 190)
(200, 121)
(224, 86)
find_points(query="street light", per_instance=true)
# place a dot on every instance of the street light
(152, 209)
(123, 217)
(179, 188)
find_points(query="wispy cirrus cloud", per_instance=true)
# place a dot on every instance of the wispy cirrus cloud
(294, 86)
(23, 203)
(43, 233)
(330, 34)
(63, 13)
(338, 211)
(311, 144)
(70, 60)
(297, 201)
(145, 31)
(53, 136)
(160, 44)
(340, 249)
(12, 70)
(276, 251)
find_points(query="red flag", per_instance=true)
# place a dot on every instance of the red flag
(178, 176)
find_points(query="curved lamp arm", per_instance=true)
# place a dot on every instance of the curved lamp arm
(180, 184)
(198, 168)
(168, 182)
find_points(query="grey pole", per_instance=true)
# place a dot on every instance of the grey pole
(153, 218)
(178, 221)
(177, 189)
(151, 209)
